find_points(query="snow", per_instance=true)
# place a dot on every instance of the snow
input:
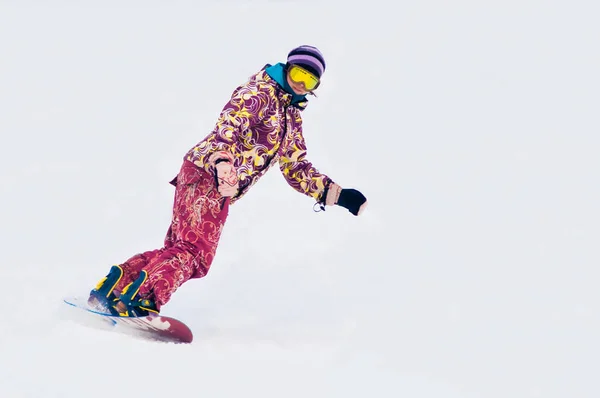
(471, 127)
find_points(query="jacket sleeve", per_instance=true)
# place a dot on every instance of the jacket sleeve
(299, 173)
(248, 106)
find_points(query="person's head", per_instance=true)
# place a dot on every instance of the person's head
(305, 66)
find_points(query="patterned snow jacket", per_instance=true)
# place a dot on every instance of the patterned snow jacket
(260, 127)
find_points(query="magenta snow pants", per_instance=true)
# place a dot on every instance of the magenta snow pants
(199, 213)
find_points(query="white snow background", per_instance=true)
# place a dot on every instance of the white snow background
(472, 128)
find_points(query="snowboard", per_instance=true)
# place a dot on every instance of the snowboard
(152, 327)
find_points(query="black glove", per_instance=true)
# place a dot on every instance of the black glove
(352, 200)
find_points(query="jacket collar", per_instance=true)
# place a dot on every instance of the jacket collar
(288, 99)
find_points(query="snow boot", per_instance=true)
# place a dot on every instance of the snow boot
(102, 296)
(130, 304)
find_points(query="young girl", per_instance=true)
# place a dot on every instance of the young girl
(259, 127)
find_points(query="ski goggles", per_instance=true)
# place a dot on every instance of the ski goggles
(300, 75)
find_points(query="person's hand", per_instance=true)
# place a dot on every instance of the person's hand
(225, 173)
(227, 180)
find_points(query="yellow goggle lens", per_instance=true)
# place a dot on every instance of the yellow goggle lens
(299, 75)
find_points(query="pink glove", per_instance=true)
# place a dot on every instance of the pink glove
(333, 194)
(225, 173)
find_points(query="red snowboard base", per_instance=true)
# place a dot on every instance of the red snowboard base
(156, 327)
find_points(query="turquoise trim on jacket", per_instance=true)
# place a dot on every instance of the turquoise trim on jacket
(277, 73)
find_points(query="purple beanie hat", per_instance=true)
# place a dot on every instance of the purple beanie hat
(309, 58)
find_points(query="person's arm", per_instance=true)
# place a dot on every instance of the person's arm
(305, 178)
(299, 173)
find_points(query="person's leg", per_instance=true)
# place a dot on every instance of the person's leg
(199, 213)
(122, 275)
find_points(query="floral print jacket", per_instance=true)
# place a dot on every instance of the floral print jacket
(260, 127)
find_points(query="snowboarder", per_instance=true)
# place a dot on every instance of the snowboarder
(260, 126)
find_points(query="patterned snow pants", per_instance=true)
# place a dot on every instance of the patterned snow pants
(199, 213)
